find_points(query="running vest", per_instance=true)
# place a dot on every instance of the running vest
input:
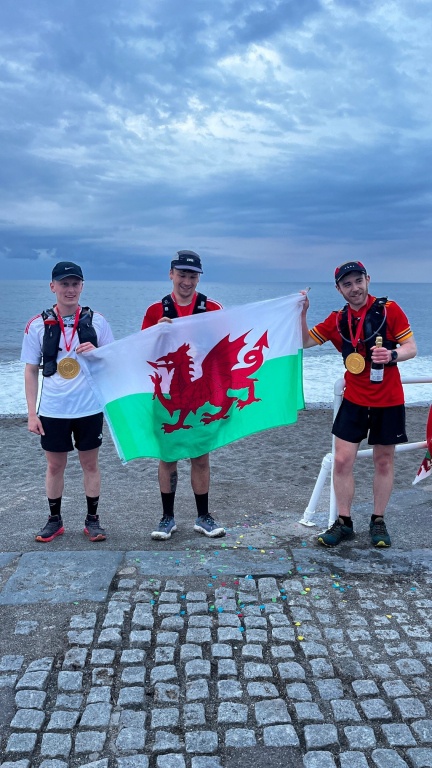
(375, 324)
(52, 337)
(170, 311)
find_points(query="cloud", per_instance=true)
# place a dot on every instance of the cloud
(131, 129)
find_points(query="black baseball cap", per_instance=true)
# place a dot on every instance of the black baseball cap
(66, 269)
(187, 260)
(349, 266)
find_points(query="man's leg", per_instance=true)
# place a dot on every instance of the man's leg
(89, 461)
(200, 480)
(343, 482)
(54, 484)
(383, 456)
(343, 478)
(90, 467)
(200, 474)
(167, 475)
(54, 480)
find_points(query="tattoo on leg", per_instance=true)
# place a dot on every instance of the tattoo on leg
(173, 481)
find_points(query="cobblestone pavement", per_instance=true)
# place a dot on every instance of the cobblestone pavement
(318, 668)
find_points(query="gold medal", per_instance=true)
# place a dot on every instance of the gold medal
(68, 368)
(355, 363)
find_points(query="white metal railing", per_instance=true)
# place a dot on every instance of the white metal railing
(328, 462)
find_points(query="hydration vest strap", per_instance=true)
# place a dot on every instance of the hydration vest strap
(374, 324)
(52, 337)
(169, 308)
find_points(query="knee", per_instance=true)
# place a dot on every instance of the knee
(384, 464)
(56, 463)
(201, 463)
(343, 464)
(89, 463)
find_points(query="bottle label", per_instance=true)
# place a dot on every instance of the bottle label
(377, 375)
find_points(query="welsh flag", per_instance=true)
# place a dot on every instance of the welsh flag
(178, 390)
(425, 467)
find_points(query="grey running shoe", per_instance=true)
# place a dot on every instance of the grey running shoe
(379, 533)
(206, 525)
(93, 529)
(166, 527)
(53, 528)
(335, 534)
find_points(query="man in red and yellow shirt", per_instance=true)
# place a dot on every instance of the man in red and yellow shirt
(368, 409)
(184, 300)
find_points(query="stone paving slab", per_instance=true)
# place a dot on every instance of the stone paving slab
(358, 561)
(220, 559)
(7, 557)
(61, 577)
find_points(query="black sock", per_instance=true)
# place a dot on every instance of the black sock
(55, 506)
(168, 504)
(376, 517)
(347, 521)
(201, 500)
(92, 505)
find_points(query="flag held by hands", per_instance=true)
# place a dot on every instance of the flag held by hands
(181, 389)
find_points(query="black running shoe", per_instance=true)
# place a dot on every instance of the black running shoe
(335, 534)
(379, 533)
(53, 528)
(93, 530)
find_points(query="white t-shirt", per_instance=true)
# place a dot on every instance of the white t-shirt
(64, 398)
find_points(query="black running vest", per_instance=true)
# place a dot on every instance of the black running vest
(52, 337)
(169, 309)
(375, 324)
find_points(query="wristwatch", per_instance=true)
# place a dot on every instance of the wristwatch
(394, 356)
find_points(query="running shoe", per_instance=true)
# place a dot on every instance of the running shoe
(206, 525)
(335, 534)
(165, 528)
(53, 528)
(93, 529)
(379, 533)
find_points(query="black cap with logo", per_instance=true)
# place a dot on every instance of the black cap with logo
(66, 269)
(349, 266)
(187, 260)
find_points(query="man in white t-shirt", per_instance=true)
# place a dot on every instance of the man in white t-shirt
(67, 406)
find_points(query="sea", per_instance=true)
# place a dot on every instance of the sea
(124, 304)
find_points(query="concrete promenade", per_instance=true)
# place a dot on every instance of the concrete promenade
(199, 653)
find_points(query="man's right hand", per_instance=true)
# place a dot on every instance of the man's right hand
(34, 424)
(305, 306)
(164, 320)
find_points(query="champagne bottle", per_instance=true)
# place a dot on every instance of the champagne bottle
(377, 369)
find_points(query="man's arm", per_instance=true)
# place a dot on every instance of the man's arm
(31, 383)
(407, 349)
(308, 341)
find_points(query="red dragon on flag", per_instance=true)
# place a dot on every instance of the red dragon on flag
(425, 468)
(219, 376)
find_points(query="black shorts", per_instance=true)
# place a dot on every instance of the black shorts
(382, 426)
(86, 431)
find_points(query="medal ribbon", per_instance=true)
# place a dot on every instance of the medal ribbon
(75, 326)
(355, 338)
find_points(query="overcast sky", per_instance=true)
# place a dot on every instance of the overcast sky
(277, 138)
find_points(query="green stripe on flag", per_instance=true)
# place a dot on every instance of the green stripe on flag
(136, 420)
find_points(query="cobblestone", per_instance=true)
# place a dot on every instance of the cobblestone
(187, 689)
